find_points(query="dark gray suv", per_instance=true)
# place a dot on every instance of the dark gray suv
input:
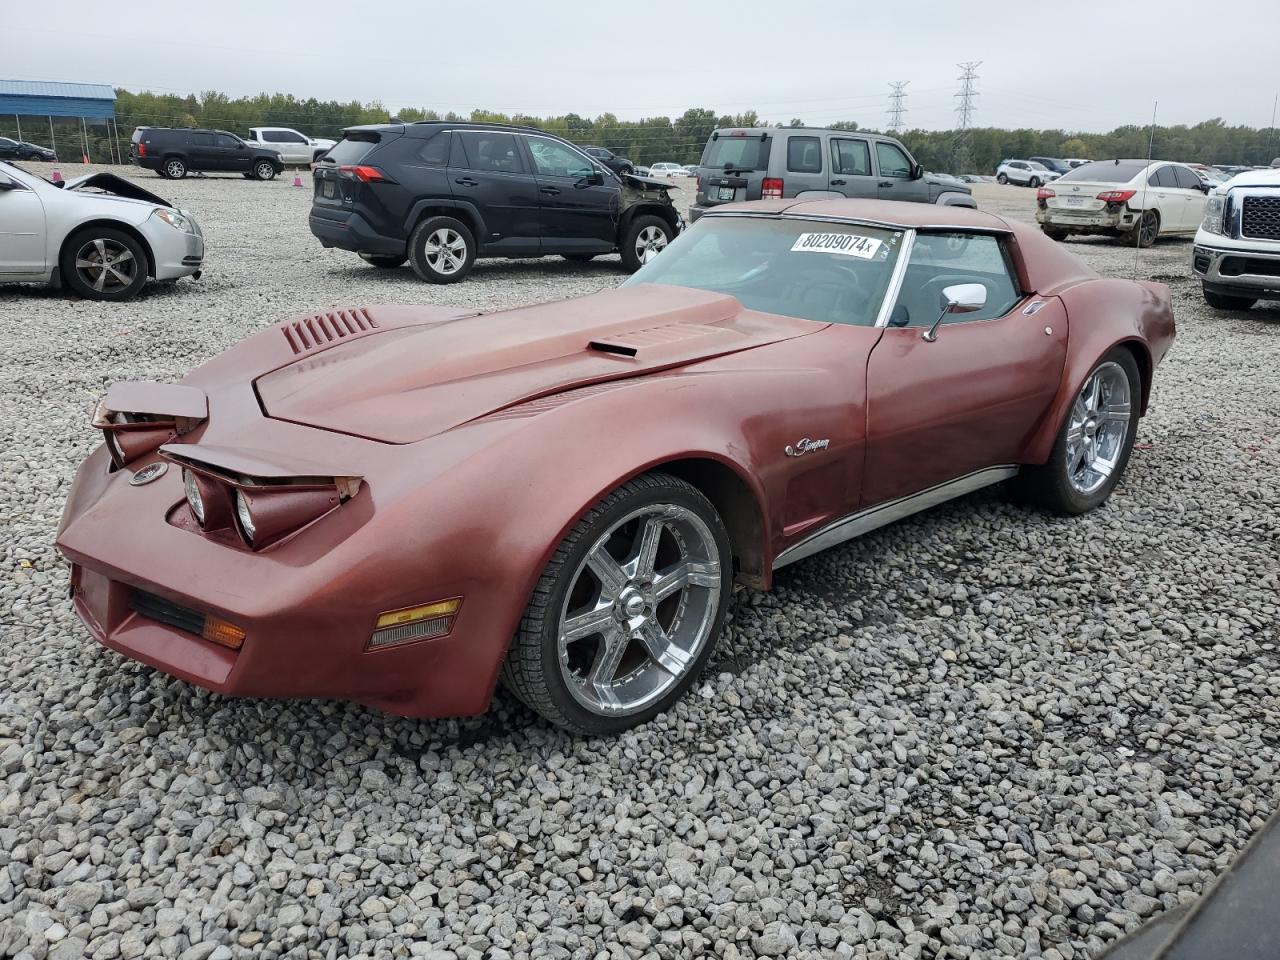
(759, 163)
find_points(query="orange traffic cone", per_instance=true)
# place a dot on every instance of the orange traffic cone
(85, 161)
(297, 179)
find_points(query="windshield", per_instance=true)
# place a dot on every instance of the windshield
(737, 153)
(831, 273)
(1107, 171)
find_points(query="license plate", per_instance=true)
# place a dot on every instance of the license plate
(329, 189)
(1075, 201)
(726, 193)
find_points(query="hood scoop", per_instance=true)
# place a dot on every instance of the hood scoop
(322, 329)
(413, 382)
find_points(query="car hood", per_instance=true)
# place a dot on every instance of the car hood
(413, 382)
(116, 186)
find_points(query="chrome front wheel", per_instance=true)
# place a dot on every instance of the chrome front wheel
(1098, 428)
(627, 612)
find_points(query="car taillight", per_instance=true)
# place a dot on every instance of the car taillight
(1044, 193)
(1116, 196)
(771, 188)
(366, 174)
(142, 149)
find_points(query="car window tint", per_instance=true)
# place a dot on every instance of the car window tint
(851, 157)
(1106, 171)
(486, 150)
(1162, 178)
(201, 140)
(226, 140)
(941, 260)
(435, 152)
(551, 159)
(272, 136)
(893, 162)
(804, 155)
(292, 137)
(737, 153)
(1186, 178)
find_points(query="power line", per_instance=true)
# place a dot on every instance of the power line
(897, 94)
(964, 110)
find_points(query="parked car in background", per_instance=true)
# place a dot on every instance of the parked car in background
(1237, 248)
(667, 170)
(99, 235)
(641, 171)
(617, 164)
(1210, 175)
(21, 150)
(442, 194)
(1074, 162)
(1025, 173)
(293, 147)
(1133, 199)
(1052, 163)
(754, 163)
(691, 169)
(566, 496)
(173, 152)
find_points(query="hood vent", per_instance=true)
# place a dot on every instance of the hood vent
(323, 329)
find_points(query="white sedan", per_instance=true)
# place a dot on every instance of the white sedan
(668, 170)
(1132, 199)
(99, 235)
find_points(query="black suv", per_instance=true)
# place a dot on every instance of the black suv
(610, 159)
(172, 151)
(442, 194)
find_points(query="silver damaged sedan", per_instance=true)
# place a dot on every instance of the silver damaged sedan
(100, 235)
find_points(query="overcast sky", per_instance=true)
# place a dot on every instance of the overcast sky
(1080, 65)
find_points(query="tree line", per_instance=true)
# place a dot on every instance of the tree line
(651, 139)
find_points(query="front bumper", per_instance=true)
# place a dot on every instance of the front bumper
(348, 230)
(1088, 221)
(1225, 270)
(176, 253)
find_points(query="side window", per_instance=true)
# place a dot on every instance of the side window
(272, 136)
(1163, 178)
(851, 157)
(291, 137)
(940, 260)
(435, 152)
(1187, 180)
(893, 162)
(804, 155)
(488, 150)
(551, 159)
(227, 141)
(201, 140)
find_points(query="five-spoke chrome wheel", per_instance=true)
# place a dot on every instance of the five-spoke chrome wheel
(650, 242)
(106, 265)
(1098, 428)
(639, 609)
(445, 251)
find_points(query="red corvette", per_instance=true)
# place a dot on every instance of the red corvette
(397, 505)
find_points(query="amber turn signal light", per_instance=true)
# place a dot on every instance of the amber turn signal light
(222, 633)
(414, 623)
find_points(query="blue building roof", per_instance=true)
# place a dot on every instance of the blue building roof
(44, 88)
(41, 98)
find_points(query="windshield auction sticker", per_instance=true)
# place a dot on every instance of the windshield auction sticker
(846, 244)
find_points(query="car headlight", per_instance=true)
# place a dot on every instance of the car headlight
(194, 499)
(245, 517)
(1215, 209)
(174, 219)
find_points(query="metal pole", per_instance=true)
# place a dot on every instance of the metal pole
(53, 141)
(84, 139)
(19, 123)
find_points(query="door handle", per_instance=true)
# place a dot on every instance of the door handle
(552, 191)
(467, 182)
(838, 183)
(885, 183)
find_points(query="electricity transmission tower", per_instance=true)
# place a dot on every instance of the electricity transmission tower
(897, 94)
(968, 91)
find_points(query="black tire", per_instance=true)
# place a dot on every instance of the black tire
(419, 256)
(383, 261)
(1145, 232)
(1002, 178)
(1226, 301)
(113, 243)
(579, 257)
(1034, 183)
(175, 168)
(633, 259)
(532, 670)
(264, 170)
(1053, 233)
(627, 168)
(1049, 484)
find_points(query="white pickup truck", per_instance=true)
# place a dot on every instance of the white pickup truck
(292, 146)
(1237, 249)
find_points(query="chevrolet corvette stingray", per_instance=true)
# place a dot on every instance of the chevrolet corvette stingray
(400, 505)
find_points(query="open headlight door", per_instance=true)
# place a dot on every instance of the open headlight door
(137, 417)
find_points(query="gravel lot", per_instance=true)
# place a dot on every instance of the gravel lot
(983, 732)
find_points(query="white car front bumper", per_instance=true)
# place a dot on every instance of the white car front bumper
(176, 253)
